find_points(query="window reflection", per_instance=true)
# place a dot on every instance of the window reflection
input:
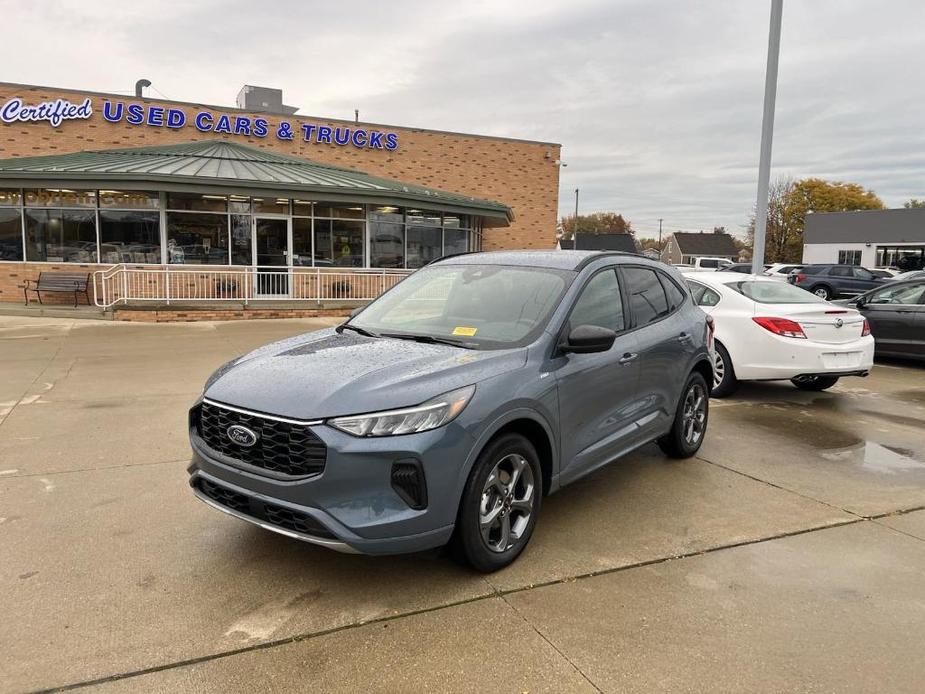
(197, 239)
(61, 236)
(130, 237)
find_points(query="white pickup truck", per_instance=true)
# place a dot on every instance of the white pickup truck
(706, 265)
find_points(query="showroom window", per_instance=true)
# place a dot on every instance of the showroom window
(60, 236)
(10, 225)
(197, 238)
(130, 227)
(849, 257)
(425, 237)
(386, 237)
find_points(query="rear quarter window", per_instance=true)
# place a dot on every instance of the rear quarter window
(648, 301)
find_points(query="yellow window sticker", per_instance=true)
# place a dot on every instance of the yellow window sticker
(467, 332)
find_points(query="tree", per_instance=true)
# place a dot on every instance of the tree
(788, 204)
(914, 204)
(597, 223)
(646, 244)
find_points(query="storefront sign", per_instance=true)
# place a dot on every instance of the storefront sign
(54, 112)
(149, 115)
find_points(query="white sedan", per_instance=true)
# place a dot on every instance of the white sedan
(769, 331)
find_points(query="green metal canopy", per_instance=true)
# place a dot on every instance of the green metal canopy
(233, 168)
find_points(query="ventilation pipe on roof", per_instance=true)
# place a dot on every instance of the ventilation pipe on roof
(141, 84)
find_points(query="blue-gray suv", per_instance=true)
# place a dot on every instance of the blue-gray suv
(444, 411)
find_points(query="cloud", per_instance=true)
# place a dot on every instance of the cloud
(657, 103)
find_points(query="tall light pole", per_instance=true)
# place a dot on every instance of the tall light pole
(659, 237)
(767, 134)
(575, 230)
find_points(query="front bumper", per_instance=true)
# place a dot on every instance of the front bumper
(351, 506)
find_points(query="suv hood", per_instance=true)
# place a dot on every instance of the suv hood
(326, 374)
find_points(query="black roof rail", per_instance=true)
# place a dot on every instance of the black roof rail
(601, 254)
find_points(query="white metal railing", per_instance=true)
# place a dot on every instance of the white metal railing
(166, 283)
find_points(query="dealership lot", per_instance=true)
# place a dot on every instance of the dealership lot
(787, 556)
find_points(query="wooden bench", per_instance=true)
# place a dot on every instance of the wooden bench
(60, 282)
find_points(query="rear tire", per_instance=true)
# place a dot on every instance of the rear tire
(690, 420)
(724, 376)
(500, 504)
(814, 383)
(823, 292)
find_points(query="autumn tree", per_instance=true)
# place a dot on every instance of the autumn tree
(914, 204)
(790, 201)
(596, 223)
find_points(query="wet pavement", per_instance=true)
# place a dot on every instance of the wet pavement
(788, 555)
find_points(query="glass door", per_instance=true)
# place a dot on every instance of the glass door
(271, 256)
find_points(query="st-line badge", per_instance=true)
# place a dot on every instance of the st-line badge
(54, 112)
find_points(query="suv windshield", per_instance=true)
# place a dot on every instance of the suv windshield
(478, 306)
(774, 293)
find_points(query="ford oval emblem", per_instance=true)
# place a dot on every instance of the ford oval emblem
(839, 322)
(241, 435)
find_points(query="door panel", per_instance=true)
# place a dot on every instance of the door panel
(892, 313)
(597, 407)
(597, 392)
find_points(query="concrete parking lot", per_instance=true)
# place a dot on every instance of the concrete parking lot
(788, 556)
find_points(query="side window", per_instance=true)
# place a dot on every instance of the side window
(862, 274)
(708, 262)
(647, 297)
(839, 271)
(675, 295)
(703, 296)
(600, 303)
(910, 294)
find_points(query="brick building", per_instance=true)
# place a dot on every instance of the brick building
(98, 181)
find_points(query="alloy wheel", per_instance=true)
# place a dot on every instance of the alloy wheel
(822, 293)
(694, 415)
(719, 369)
(506, 503)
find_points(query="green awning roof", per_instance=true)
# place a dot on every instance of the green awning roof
(227, 165)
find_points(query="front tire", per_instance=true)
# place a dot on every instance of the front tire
(500, 504)
(724, 376)
(814, 383)
(690, 420)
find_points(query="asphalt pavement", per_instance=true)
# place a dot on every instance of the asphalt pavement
(788, 556)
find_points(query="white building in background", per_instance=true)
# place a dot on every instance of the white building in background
(871, 238)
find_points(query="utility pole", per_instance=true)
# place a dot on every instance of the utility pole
(575, 230)
(659, 237)
(767, 134)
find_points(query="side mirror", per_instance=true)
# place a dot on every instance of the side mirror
(859, 302)
(355, 312)
(587, 339)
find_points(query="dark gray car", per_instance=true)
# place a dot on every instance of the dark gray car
(446, 409)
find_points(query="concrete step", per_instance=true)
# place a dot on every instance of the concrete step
(55, 311)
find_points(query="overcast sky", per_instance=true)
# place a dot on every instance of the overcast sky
(657, 104)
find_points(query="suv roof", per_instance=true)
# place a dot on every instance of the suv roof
(558, 260)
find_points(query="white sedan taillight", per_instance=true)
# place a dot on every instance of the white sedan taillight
(865, 331)
(781, 326)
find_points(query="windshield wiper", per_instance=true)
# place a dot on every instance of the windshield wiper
(356, 328)
(430, 339)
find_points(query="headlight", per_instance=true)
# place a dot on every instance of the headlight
(410, 420)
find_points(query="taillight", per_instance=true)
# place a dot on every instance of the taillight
(711, 328)
(799, 277)
(781, 326)
(865, 331)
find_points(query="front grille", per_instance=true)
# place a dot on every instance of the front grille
(225, 497)
(260, 510)
(282, 447)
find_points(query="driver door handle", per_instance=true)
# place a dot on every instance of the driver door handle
(684, 337)
(628, 357)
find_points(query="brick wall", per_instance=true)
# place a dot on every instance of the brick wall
(517, 173)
